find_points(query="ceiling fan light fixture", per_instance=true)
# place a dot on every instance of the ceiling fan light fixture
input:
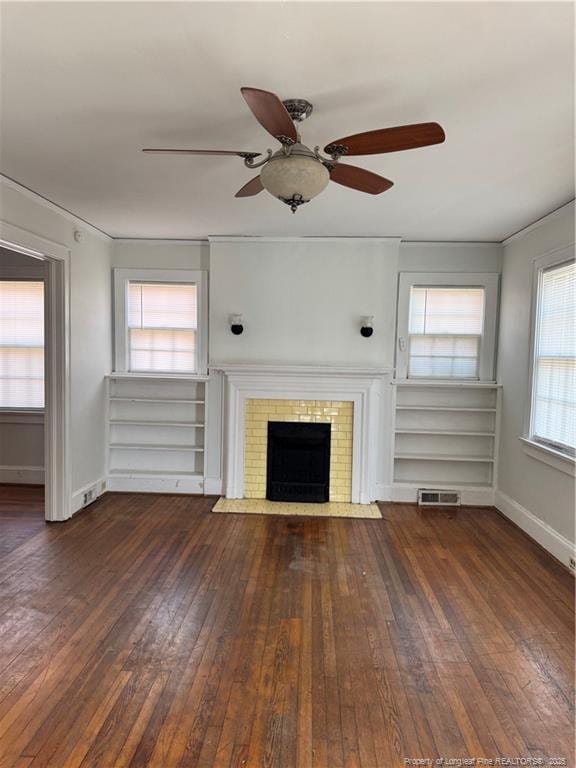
(294, 178)
(295, 174)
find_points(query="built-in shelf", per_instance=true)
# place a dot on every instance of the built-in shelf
(445, 436)
(443, 457)
(147, 449)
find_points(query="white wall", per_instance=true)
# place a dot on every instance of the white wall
(450, 257)
(90, 323)
(303, 300)
(537, 496)
(161, 254)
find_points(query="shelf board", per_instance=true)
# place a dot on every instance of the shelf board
(443, 432)
(154, 400)
(425, 383)
(135, 376)
(443, 457)
(444, 408)
(150, 472)
(157, 447)
(144, 423)
(444, 485)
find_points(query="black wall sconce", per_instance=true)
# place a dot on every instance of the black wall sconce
(366, 329)
(236, 324)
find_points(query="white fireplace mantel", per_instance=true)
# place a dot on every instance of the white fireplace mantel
(362, 386)
(334, 370)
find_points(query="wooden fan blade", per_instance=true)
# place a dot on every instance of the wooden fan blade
(253, 187)
(201, 152)
(271, 114)
(388, 140)
(360, 178)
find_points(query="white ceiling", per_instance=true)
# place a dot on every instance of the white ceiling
(85, 86)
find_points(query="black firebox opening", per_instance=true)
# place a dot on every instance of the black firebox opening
(298, 461)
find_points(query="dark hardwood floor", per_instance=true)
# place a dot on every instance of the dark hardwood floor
(21, 514)
(150, 632)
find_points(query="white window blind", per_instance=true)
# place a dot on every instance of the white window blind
(554, 386)
(21, 344)
(162, 327)
(445, 331)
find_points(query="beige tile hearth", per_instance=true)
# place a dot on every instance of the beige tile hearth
(266, 507)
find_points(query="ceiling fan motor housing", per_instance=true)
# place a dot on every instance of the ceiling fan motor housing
(298, 109)
(296, 176)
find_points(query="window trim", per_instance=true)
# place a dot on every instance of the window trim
(489, 281)
(121, 279)
(540, 264)
(28, 274)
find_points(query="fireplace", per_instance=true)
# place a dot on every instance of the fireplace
(348, 398)
(298, 461)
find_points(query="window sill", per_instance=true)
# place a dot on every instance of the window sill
(158, 376)
(470, 384)
(21, 416)
(549, 456)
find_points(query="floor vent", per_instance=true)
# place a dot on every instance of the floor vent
(91, 494)
(430, 498)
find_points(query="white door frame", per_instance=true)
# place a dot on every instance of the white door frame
(58, 485)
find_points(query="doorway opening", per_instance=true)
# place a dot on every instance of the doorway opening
(34, 372)
(22, 384)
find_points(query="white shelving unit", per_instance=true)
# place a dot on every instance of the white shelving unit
(156, 428)
(446, 436)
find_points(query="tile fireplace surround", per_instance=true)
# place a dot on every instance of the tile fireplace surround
(338, 413)
(347, 397)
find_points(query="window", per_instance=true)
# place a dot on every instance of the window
(21, 344)
(553, 414)
(445, 331)
(162, 326)
(447, 326)
(159, 321)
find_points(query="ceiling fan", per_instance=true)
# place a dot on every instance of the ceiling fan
(294, 173)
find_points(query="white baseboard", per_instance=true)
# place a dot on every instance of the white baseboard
(382, 492)
(473, 497)
(94, 490)
(213, 486)
(155, 483)
(23, 475)
(552, 541)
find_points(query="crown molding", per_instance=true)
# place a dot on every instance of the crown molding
(555, 214)
(266, 239)
(450, 243)
(160, 240)
(54, 207)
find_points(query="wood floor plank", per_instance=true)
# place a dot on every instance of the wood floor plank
(148, 632)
